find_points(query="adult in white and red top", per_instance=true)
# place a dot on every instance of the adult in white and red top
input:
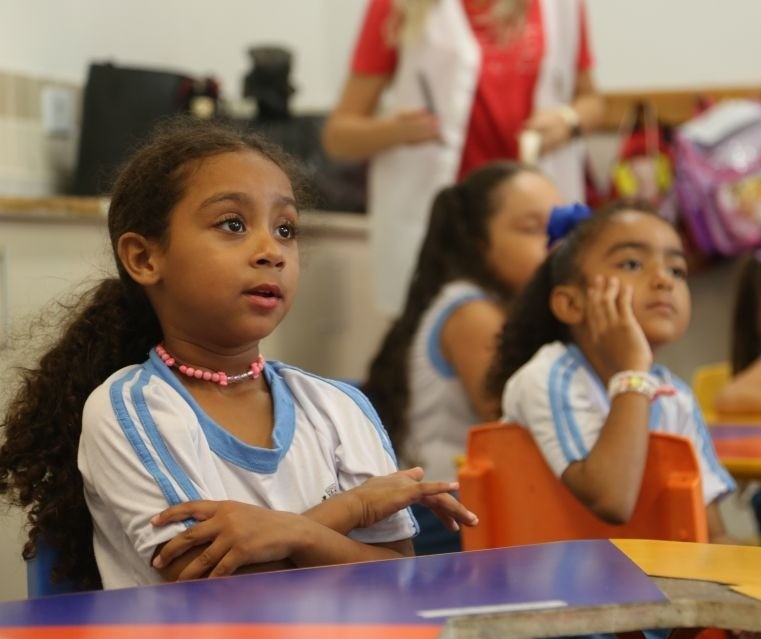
(462, 85)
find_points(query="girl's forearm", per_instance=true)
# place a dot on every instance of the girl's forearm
(319, 545)
(340, 513)
(608, 481)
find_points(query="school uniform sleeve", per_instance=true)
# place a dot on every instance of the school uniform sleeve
(715, 479)
(550, 396)
(137, 456)
(373, 55)
(365, 451)
(358, 443)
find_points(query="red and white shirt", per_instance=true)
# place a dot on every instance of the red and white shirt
(504, 95)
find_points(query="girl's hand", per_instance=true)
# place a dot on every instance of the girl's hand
(237, 535)
(380, 497)
(613, 328)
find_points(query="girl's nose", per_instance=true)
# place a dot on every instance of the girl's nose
(268, 252)
(663, 277)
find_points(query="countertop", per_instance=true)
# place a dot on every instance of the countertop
(93, 209)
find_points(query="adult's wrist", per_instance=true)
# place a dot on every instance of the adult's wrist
(572, 120)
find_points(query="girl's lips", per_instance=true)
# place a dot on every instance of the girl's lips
(663, 307)
(265, 290)
(265, 296)
(263, 301)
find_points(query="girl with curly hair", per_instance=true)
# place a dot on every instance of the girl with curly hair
(153, 442)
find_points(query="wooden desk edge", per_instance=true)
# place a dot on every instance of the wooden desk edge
(692, 604)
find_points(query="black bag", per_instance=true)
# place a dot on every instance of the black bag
(120, 106)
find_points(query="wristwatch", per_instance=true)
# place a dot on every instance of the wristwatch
(571, 118)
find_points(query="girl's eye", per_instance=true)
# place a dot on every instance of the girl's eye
(630, 265)
(679, 272)
(286, 231)
(232, 224)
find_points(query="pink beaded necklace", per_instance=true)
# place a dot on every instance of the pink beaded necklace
(219, 377)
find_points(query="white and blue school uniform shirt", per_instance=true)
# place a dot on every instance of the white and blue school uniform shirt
(146, 444)
(561, 400)
(439, 412)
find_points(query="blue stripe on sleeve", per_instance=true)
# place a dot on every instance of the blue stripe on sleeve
(133, 436)
(571, 424)
(433, 345)
(149, 426)
(556, 395)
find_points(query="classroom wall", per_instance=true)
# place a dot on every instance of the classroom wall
(643, 44)
(59, 39)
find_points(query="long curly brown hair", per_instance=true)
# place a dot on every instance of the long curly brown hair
(452, 249)
(110, 327)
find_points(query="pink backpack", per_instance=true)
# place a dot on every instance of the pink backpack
(718, 177)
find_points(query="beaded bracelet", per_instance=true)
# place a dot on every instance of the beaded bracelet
(638, 382)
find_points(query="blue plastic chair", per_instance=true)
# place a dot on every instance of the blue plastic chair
(38, 571)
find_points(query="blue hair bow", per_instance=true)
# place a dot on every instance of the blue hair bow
(563, 219)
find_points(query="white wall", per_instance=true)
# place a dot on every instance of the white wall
(673, 44)
(643, 44)
(58, 39)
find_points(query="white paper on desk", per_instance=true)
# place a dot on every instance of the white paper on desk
(720, 121)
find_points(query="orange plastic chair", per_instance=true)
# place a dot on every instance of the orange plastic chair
(707, 381)
(507, 483)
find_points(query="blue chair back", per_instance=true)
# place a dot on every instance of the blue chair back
(38, 570)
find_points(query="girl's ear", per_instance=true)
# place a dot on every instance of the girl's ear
(139, 255)
(567, 304)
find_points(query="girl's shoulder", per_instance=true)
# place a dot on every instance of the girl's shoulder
(310, 388)
(103, 391)
(552, 363)
(551, 354)
(457, 289)
(452, 296)
(338, 405)
(136, 387)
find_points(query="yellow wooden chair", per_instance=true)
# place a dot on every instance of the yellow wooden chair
(707, 381)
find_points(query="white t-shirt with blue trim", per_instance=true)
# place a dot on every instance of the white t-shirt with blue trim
(439, 412)
(146, 444)
(560, 399)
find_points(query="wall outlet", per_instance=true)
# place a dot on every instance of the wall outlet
(57, 110)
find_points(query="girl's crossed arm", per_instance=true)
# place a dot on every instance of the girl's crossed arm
(231, 535)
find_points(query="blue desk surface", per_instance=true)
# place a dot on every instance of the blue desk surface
(729, 430)
(420, 591)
